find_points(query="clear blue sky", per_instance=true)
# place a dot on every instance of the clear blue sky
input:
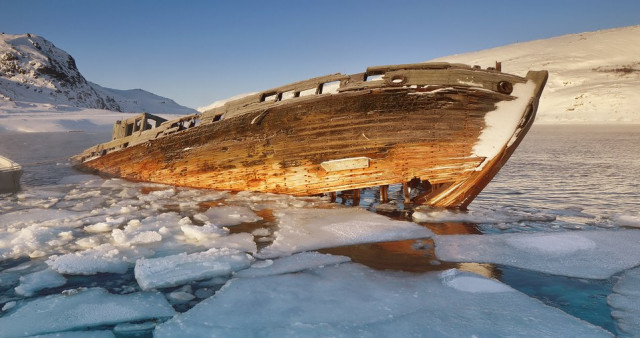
(196, 52)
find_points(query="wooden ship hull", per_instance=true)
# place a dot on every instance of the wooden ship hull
(444, 128)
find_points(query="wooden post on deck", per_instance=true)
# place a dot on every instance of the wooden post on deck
(405, 192)
(333, 196)
(356, 197)
(384, 193)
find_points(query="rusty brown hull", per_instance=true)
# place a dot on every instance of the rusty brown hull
(350, 139)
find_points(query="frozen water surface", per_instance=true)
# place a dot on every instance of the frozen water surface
(625, 303)
(584, 254)
(182, 268)
(310, 229)
(544, 214)
(294, 263)
(80, 310)
(34, 282)
(351, 300)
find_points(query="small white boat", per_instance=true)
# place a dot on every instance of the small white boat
(10, 173)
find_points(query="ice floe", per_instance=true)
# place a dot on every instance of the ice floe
(625, 303)
(33, 241)
(627, 221)
(34, 282)
(103, 258)
(80, 310)
(294, 263)
(432, 215)
(78, 334)
(349, 300)
(310, 229)
(585, 254)
(182, 268)
(230, 215)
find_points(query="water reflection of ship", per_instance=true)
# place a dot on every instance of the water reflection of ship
(415, 255)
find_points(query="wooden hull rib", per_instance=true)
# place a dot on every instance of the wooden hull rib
(451, 127)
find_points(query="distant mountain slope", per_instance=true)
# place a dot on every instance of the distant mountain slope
(33, 70)
(136, 100)
(594, 77)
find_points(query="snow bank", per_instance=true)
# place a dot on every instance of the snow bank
(311, 229)
(182, 268)
(625, 303)
(84, 309)
(584, 254)
(349, 300)
(593, 76)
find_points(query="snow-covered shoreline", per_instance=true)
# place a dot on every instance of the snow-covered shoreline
(594, 77)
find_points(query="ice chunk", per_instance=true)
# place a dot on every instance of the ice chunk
(8, 306)
(469, 282)
(42, 217)
(134, 330)
(310, 229)
(585, 254)
(32, 241)
(627, 221)
(143, 237)
(89, 242)
(78, 334)
(105, 226)
(625, 303)
(432, 215)
(179, 297)
(294, 263)
(261, 232)
(350, 300)
(34, 282)
(103, 258)
(231, 215)
(203, 233)
(84, 309)
(157, 195)
(182, 268)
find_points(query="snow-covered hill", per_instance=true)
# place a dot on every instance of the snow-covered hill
(138, 100)
(593, 77)
(35, 71)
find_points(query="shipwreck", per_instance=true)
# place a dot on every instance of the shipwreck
(442, 129)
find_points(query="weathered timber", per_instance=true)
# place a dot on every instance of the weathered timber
(433, 123)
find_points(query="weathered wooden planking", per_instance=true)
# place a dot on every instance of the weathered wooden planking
(418, 122)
